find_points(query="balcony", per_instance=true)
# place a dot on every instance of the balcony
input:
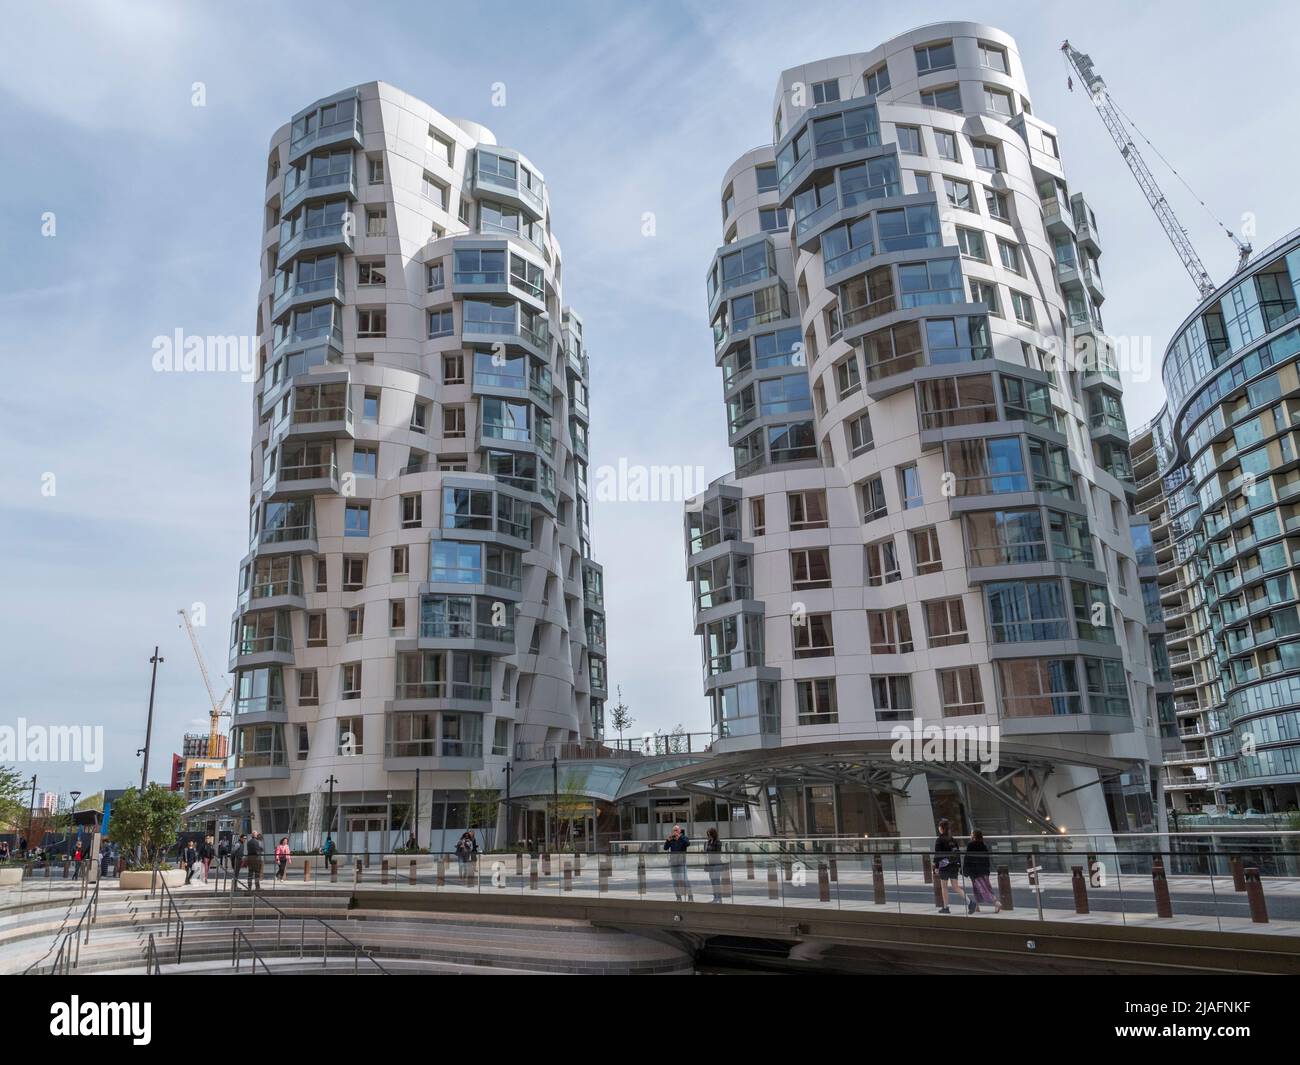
(330, 236)
(318, 187)
(308, 292)
(346, 131)
(275, 649)
(305, 479)
(522, 192)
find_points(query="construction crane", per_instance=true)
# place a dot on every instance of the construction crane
(1113, 118)
(218, 705)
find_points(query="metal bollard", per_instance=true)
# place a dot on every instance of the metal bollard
(726, 881)
(546, 865)
(877, 880)
(1004, 888)
(602, 875)
(519, 864)
(1080, 886)
(532, 874)
(356, 875)
(306, 871)
(412, 873)
(937, 881)
(334, 870)
(1238, 874)
(835, 870)
(383, 871)
(823, 882)
(640, 874)
(577, 863)
(749, 867)
(1031, 860)
(1255, 895)
(1160, 885)
(926, 870)
(440, 877)
(773, 885)
(566, 870)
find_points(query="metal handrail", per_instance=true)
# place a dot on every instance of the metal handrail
(238, 934)
(69, 953)
(357, 951)
(152, 966)
(167, 901)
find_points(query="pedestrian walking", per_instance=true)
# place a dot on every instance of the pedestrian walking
(466, 851)
(977, 864)
(206, 853)
(947, 865)
(237, 859)
(281, 858)
(676, 845)
(189, 859)
(253, 852)
(713, 862)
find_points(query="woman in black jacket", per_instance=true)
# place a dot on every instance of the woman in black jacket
(947, 865)
(978, 865)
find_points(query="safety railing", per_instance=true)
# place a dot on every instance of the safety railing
(168, 909)
(236, 938)
(69, 952)
(152, 966)
(327, 930)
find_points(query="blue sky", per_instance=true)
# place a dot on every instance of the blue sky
(627, 108)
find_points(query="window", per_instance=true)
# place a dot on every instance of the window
(993, 58)
(909, 487)
(909, 228)
(947, 98)
(377, 222)
(758, 515)
(877, 81)
(997, 102)
(356, 622)
(501, 736)
(434, 189)
(946, 143)
(365, 461)
(376, 164)
(958, 194)
(317, 635)
(453, 369)
(882, 563)
(772, 219)
(816, 699)
(401, 561)
(925, 550)
(397, 615)
(997, 204)
(435, 276)
(356, 519)
(891, 695)
(986, 155)
(371, 273)
(354, 572)
(766, 176)
(847, 378)
(1009, 253)
(909, 139)
(934, 57)
(986, 292)
(441, 324)
(860, 436)
(372, 323)
(873, 499)
(807, 509)
(971, 242)
(1050, 145)
(412, 511)
(308, 692)
(351, 733)
(322, 582)
(889, 632)
(810, 568)
(945, 622)
(960, 691)
(826, 92)
(1092, 612)
(453, 423)
(1020, 611)
(442, 146)
(1024, 307)
(813, 636)
(891, 351)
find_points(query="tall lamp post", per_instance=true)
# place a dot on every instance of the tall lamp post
(329, 809)
(31, 813)
(555, 801)
(73, 796)
(510, 815)
(148, 729)
(415, 810)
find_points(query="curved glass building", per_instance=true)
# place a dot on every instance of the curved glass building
(418, 594)
(1219, 480)
(929, 515)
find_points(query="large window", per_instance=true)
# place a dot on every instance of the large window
(1005, 537)
(945, 622)
(816, 700)
(891, 696)
(810, 568)
(909, 228)
(889, 631)
(960, 691)
(848, 131)
(987, 466)
(1021, 611)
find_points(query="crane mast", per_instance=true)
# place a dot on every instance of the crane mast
(1174, 230)
(217, 711)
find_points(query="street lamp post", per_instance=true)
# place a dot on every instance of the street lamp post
(510, 815)
(329, 809)
(415, 810)
(31, 813)
(555, 801)
(148, 729)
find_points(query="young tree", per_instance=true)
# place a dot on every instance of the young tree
(148, 820)
(13, 804)
(481, 806)
(620, 716)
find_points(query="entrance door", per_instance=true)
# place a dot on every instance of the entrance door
(365, 834)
